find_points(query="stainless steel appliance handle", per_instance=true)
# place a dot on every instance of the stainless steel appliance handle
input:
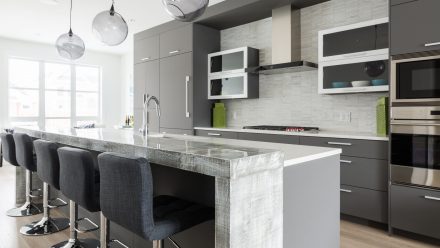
(431, 198)
(339, 143)
(346, 161)
(214, 134)
(346, 191)
(415, 124)
(187, 114)
(432, 44)
(175, 51)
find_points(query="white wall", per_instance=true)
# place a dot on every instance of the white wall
(112, 86)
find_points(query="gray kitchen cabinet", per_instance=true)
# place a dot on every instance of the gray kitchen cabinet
(146, 49)
(217, 134)
(351, 147)
(414, 27)
(176, 41)
(146, 81)
(365, 173)
(415, 210)
(182, 76)
(176, 91)
(177, 131)
(285, 139)
(364, 203)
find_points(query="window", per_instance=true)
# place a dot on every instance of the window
(53, 94)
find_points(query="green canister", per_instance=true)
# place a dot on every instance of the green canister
(382, 116)
(219, 115)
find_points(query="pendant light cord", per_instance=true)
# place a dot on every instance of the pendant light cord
(70, 23)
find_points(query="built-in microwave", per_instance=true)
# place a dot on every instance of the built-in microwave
(415, 79)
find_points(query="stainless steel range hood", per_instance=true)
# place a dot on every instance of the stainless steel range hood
(286, 44)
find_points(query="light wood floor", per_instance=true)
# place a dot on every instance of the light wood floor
(352, 235)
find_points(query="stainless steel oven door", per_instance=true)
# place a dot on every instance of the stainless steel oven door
(415, 153)
(415, 80)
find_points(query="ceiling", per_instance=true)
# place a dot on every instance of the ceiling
(36, 20)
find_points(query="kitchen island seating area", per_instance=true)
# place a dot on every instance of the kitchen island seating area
(121, 186)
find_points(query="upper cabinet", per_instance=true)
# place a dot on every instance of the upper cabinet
(176, 41)
(354, 58)
(414, 26)
(146, 49)
(227, 74)
(354, 41)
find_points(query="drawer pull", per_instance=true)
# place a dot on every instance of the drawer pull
(432, 44)
(432, 198)
(145, 59)
(346, 191)
(214, 134)
(339, 143)
(346, 162)
(175, 51)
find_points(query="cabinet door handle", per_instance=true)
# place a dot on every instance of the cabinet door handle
(145, 59)
(339, 143)
(175, 51)
(432, 44)
(187, 114)
(346, 161)
(432, 198)
(214, 134)
(346, 190)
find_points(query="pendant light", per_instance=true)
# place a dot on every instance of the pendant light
(70, 45)
(110, 27)
(185, 10)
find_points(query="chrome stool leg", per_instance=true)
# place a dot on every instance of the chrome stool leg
(46, 225)
(73, 241)
(28, 208)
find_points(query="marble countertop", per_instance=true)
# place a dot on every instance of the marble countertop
(322, 133)
(211, 156)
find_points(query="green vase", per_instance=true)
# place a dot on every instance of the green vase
(382, 116)
(219, 115)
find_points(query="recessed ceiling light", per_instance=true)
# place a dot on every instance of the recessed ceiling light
(50, 2)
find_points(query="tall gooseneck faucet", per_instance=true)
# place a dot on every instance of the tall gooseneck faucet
(144, 128)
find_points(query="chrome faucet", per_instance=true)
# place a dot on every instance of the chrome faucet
(144, 129)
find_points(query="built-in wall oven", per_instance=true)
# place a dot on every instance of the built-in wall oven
(415, 146)
(415, 79)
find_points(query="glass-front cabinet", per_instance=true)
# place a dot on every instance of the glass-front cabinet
(354, 58)
(227, 77)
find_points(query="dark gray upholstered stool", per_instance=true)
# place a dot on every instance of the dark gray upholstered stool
(24, 151)
(8, 148)
(127, 199)
(79, 181)
(48, 169)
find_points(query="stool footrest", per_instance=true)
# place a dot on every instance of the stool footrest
(56, 203)
(39, 191)
(119, 243)
(87, 220)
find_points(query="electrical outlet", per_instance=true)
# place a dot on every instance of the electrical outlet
(343, 117)
(234, 115)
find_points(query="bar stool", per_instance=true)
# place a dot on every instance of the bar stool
(48, 169)
(127, 199)
(79, 181)
(8, 148)
(24, 149)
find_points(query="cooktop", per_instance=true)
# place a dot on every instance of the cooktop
(283, 128)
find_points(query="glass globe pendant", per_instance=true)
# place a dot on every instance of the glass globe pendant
(185, 10)
(69, 45)
(110, 27)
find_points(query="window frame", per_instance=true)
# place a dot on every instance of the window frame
(41, 118)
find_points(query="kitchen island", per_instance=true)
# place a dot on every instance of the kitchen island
(249, 191)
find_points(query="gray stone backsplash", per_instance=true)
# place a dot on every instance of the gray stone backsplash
(292, 98)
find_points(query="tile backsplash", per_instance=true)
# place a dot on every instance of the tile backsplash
(292, 98)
